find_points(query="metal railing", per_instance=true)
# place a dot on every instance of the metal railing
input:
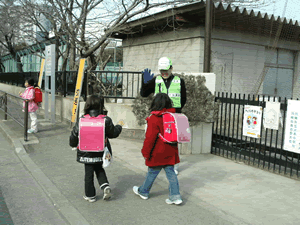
(9, 104)
(266, 152)
(118, 84)
(111, 84)
(17, 79)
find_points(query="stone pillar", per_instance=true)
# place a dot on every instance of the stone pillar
(201, 137)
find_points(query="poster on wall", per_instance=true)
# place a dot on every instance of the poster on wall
(292, 123)
(271, 115)
(252, 121)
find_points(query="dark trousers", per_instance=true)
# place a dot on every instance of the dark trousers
(89, 178)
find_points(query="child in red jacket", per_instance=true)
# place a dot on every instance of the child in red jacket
(158, 154)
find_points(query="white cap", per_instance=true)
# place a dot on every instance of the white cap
(164, 63)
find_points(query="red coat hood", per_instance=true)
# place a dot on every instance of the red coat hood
(159, 113)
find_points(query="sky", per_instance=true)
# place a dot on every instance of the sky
(292, 9)
(276, 7)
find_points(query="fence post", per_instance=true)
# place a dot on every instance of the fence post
(65, 83)
(26, 121)
(5, 99)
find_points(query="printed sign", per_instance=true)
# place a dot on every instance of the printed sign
(292, 124)
(78, 89)
(271, 115)
(41, 73)
(252, 121)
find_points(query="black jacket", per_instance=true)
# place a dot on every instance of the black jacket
(149, 88)
(111, 131)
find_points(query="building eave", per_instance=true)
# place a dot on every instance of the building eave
(196, 11)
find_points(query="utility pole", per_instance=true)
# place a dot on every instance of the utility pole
(207, 40)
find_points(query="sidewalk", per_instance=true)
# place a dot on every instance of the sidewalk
(215, 190)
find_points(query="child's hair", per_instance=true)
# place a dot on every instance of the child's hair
(95, 102)
(30, 81)
(161, 101)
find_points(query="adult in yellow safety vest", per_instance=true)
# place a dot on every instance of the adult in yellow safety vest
(166, 82)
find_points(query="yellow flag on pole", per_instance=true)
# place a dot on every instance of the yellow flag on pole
(41, 73)
(78, 89)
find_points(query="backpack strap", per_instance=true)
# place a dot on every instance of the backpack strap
(161, 137)
(87, 116)
(164, 140)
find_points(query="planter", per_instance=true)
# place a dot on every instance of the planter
(110, 100)
(201, 136)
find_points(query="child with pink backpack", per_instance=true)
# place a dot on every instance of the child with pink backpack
(90, 135)
(29, 94)
(164, 130)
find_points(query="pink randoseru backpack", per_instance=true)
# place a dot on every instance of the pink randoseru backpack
(92, 133)
(176, 128)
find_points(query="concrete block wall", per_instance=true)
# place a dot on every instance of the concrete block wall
(238, 58)
(296, 83)
(244, 69)
(184, 50)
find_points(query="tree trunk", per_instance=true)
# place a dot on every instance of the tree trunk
(56, 53)
(2, 68)
(72, 59)
(19, 63)
(65, 57)
(13, 52)
(92, 64)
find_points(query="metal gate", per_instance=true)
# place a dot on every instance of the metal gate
(265, 152)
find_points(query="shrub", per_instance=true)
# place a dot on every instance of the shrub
(200, 105)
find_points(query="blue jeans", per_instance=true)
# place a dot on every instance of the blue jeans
(151, 176)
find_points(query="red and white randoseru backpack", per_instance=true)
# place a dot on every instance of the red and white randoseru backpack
(176, 128)
(92, 133)
(38, 99)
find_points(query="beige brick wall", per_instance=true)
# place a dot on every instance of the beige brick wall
(185, 55)
(296, 84)
(238, 58)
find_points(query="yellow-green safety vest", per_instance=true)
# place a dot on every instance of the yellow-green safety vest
(173, 91)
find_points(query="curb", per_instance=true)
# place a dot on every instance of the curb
(60, 203)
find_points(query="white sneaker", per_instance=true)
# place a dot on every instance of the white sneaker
(176, 202)
(176, 172)
(90, 199)
(107, 193)
(30, 131)
(136, 191)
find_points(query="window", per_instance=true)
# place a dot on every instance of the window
(279, 78)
